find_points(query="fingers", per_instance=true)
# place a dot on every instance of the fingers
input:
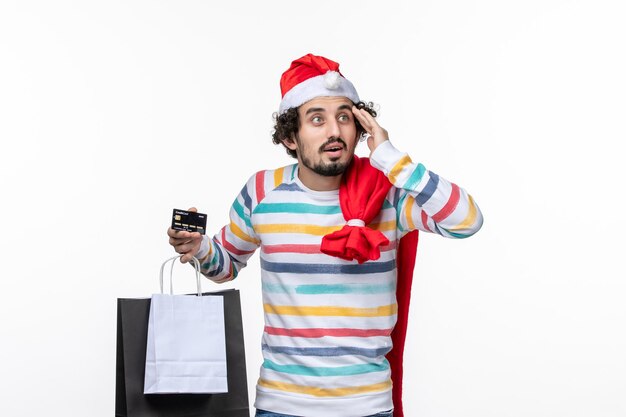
(184, 242)
(178, 234)
(186, 258)
(367, 120)
(361, 118)
(187, 248)
(178, 237)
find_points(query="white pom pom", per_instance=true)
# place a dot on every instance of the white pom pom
(331, 80)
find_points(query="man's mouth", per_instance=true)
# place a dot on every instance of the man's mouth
(333, 148)
(334, 151)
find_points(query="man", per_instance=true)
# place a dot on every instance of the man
(328, 320)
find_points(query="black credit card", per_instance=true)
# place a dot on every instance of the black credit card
(188, 221)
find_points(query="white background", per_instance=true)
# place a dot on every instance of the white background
(114, 112)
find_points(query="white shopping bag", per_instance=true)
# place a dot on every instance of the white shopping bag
(186, 348)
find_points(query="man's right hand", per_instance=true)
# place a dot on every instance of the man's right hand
(185, 243)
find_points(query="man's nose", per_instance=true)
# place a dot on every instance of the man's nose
(333, 129)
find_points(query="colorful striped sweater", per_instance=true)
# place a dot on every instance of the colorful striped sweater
(328, 321)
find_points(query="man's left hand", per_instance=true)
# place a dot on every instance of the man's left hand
(377, 134)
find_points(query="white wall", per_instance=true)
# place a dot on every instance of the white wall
(113, 113)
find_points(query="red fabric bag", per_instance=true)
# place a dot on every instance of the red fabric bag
(361, 195)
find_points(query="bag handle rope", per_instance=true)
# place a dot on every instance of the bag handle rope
(196, 265)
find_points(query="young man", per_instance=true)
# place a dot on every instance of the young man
(328, 319)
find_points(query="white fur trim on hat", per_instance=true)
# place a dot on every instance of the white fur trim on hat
(331, 84)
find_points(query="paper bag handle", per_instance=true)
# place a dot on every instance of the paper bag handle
(196, 264)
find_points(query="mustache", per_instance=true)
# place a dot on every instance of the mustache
(332, 140)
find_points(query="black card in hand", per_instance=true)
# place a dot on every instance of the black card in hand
(188, 221)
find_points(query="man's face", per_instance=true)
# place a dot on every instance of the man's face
(327, 138)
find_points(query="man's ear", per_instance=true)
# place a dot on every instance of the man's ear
(290, 143)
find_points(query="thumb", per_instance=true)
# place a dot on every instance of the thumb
(193, 210)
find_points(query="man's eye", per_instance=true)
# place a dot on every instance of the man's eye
(344, 118)
(316, 119)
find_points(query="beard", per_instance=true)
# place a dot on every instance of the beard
(330, 169)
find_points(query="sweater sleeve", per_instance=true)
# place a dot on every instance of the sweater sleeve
(425, 200)
(222, 257)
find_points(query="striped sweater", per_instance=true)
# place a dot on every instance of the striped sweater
(328, 321)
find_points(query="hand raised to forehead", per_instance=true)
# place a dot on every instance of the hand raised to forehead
(377, 134)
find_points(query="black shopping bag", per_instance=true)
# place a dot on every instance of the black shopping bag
(132, 334)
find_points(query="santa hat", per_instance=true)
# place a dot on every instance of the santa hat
(313, 76)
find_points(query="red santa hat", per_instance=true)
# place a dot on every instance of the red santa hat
(313, 76)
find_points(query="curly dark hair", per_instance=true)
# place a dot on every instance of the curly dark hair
(288, 124)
